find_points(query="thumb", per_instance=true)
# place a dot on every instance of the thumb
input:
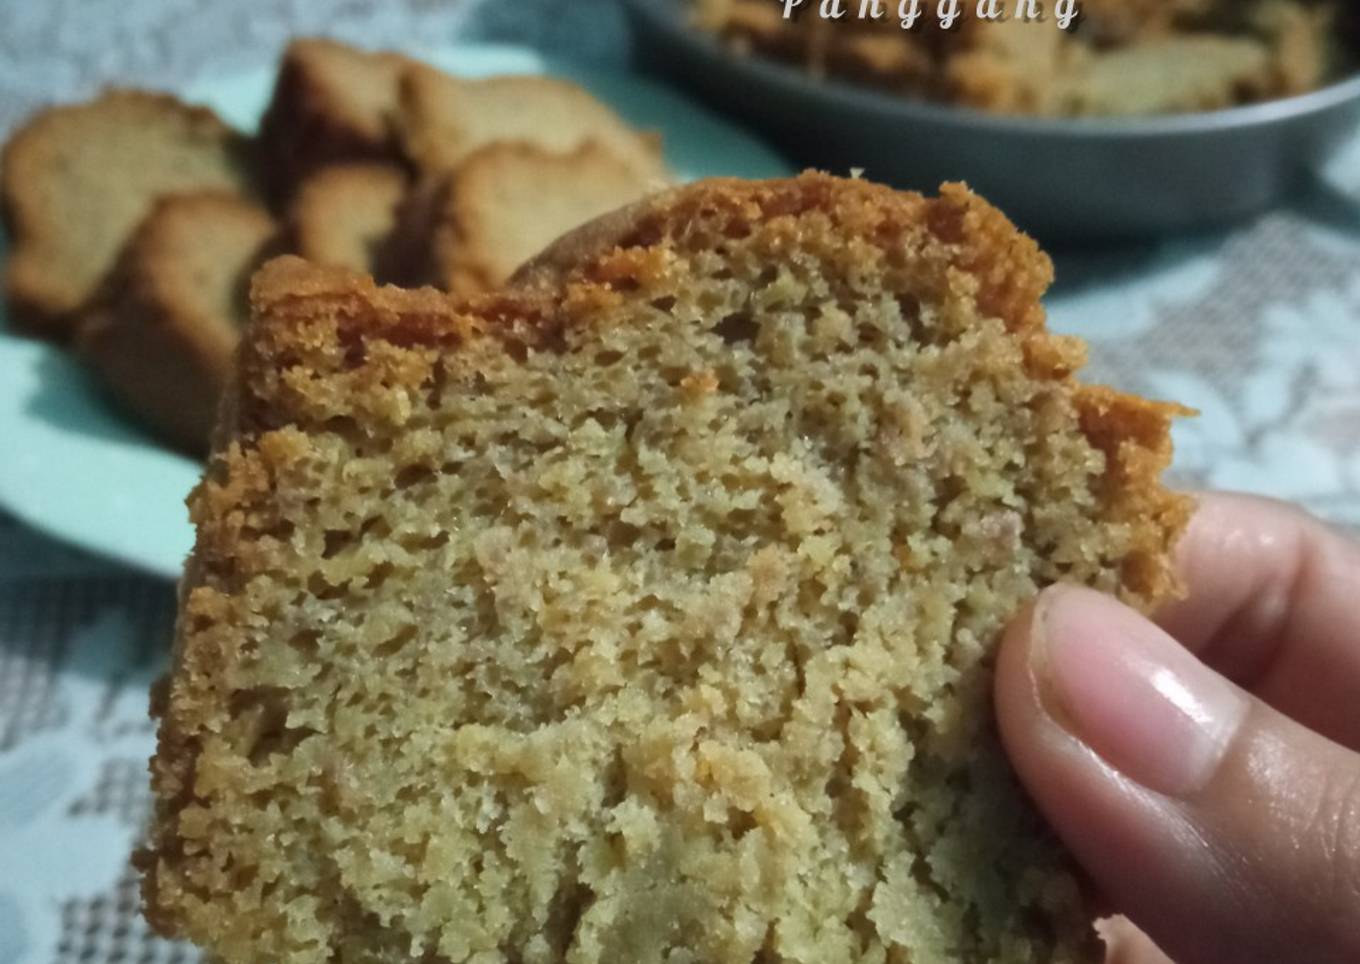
(1222, 828)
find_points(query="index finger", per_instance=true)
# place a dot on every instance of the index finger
(1274, 604)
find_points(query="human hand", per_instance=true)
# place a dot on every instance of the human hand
(1204, 770)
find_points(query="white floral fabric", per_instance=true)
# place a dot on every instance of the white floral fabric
(1257, 327)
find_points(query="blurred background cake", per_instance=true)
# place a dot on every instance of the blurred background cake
(368, 160)
(1121, 57)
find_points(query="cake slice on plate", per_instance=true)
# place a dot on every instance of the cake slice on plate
(444, 119)
(332, 103)
(644, 610)
(161, 333)
(76, 180)
(507, 200)
(344, 215)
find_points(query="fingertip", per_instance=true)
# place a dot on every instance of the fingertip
(1099, 815)
(1126, 944)
(1235, 548)
(1014, 685)
(1270, 604)
(1238, 820)
(1013, 653)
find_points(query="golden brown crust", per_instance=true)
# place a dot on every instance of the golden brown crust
(587, 242)
(974, 237)
(163, 329)
(334, 360)
(99, 165)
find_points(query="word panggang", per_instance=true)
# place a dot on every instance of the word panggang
(909, 12)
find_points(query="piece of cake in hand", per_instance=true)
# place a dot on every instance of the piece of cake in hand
(76, 180)
(162, 332)
(644, 610)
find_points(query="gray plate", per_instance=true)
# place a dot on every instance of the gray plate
(1061, 179)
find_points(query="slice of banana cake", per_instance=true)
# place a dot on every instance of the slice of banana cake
(644, 611)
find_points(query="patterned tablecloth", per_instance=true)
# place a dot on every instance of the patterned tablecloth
(1259, 328)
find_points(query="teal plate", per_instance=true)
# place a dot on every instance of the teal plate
(74, 467)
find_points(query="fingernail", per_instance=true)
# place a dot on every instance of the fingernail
(1131, 692)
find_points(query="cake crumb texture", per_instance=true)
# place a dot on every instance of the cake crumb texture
(645, 611)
